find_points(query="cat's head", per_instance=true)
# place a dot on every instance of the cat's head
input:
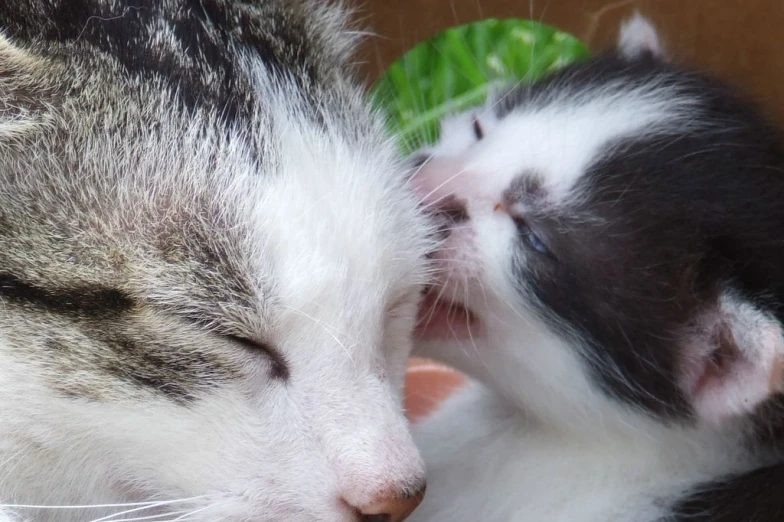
(210, 268)
(614, 235)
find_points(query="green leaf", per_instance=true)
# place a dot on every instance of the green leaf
(456, 69)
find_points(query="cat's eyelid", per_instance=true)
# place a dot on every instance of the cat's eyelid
(280, 368)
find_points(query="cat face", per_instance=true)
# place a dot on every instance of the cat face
(609, 233)
(208, 286)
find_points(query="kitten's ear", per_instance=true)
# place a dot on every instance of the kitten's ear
(733, 359)
(638, 39)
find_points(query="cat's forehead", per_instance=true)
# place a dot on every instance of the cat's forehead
(336, 234)
(309, 240)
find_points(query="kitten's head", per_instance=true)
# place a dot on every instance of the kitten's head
(614, 234)
(210, 268)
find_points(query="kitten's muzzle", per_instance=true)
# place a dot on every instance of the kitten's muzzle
(449, 213)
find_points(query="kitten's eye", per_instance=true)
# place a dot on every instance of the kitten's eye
(280, 369)
(531, 239)
(478, 132)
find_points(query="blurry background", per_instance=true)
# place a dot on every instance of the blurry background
(741, 40)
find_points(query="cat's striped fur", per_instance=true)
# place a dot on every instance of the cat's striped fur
(209, 264)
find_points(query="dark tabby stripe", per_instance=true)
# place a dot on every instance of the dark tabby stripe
(85, 301)
(197, 62)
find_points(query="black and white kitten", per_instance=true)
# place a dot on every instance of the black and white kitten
(611, 276)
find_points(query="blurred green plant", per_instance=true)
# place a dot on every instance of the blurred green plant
(456, 69)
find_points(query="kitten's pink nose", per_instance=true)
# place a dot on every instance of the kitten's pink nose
(437, 185)
(391, 508)
(448, 213)
(452, 209)
(439, 179)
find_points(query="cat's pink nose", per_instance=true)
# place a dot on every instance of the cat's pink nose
(391, 508)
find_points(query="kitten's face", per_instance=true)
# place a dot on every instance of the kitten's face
(591, 262)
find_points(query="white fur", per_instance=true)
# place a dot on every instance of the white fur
(639, 36)
(487, 460)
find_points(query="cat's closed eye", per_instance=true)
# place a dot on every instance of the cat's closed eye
(280, 369)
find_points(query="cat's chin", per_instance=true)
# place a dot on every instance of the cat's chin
(445, 319)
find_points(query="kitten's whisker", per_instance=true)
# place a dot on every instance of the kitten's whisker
(419, 168)
(468, 325)
(437, 188)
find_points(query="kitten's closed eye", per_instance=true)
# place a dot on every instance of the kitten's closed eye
(479, 133)
(280, 369)
(531, 238)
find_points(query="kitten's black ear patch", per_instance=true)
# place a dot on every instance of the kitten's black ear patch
(753, 496)
(638, 39)
(732, 359)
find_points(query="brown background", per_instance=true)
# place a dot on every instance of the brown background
(742, 41)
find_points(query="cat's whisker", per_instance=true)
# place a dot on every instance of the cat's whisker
(187, 515)
(98, 506)
(111, 518)
(160, 517)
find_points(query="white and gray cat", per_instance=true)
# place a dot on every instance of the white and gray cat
(210, 267)
(611, 277)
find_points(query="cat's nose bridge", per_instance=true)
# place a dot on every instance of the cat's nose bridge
(367, 443)
(385, 485)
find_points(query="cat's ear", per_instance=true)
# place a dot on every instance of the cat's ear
(638, 39)
(732, 359)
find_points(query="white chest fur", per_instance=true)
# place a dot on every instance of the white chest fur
(487, 461)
